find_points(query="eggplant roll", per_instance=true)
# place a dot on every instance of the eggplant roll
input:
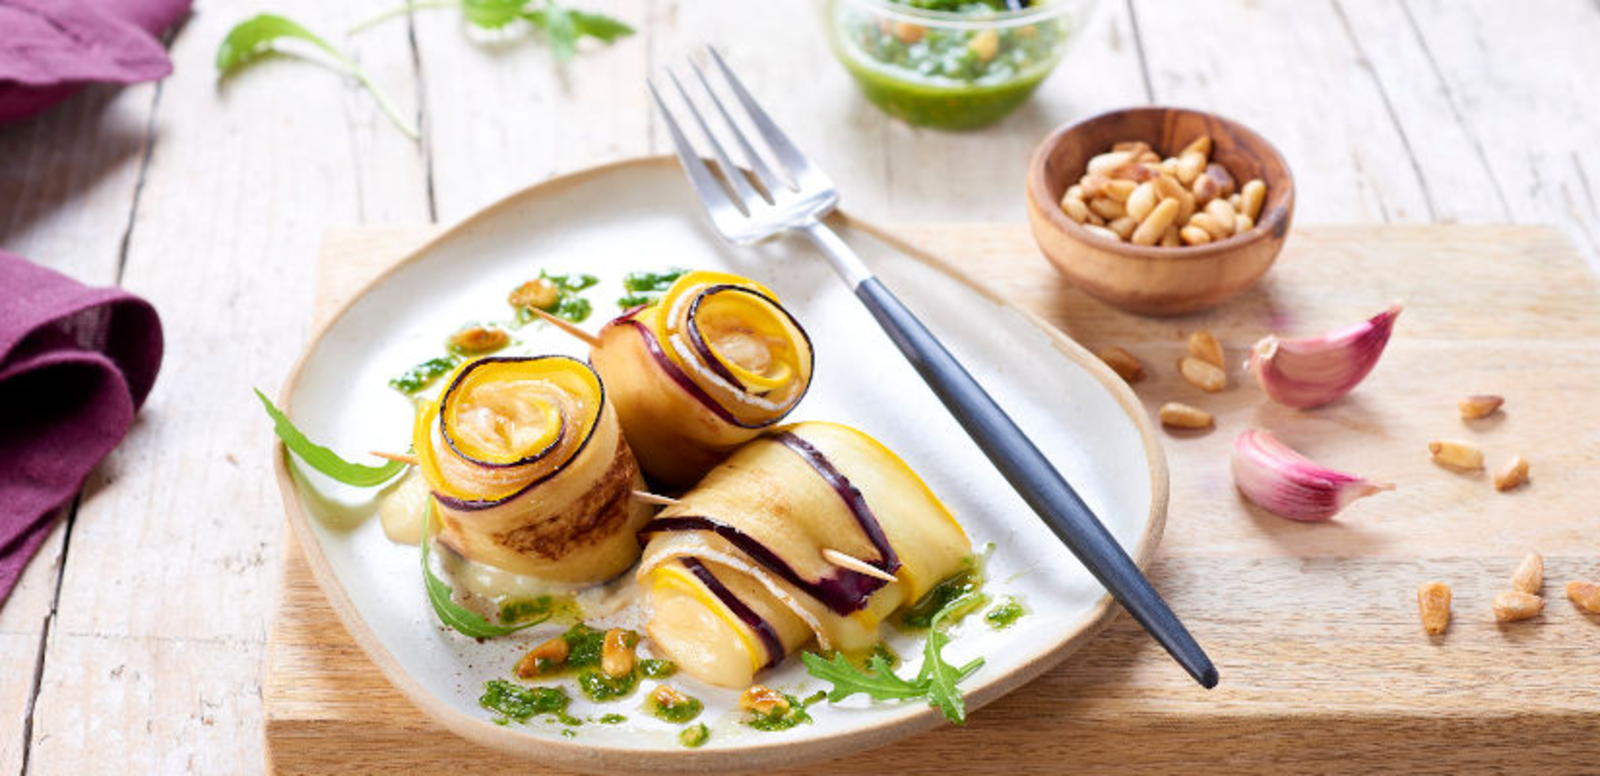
(735, 573)
(530, 470)
(702, 371)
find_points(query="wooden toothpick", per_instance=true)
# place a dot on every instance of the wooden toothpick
(837, 558)
(410, 460)
(855, 564)
(567, 326)
(651, 498)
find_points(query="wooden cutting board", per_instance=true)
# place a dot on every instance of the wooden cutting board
(1324, 665)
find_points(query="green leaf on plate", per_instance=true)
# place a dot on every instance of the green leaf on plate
(260, 35)
(936, 682)
(463, 620)
(943, 677)
(321, 458)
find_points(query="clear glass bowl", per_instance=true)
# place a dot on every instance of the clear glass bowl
(951, 69)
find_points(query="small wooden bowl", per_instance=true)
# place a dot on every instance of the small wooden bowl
(1150, 279)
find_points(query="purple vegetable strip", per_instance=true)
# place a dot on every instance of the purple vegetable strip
(763, 629)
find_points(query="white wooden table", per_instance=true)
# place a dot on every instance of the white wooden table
(135, 640)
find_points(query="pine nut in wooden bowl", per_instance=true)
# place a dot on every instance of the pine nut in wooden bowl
(1153, 279)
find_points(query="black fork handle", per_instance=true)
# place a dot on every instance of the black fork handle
(1033, 476)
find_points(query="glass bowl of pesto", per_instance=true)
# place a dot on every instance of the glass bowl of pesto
(951, 64)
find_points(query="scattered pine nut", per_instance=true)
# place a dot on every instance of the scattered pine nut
(1179, 415)
(1530, 575)
(763, 700)
(1200, 374)
(1456, 454)
(616, 652)
(1479, 406)
(1585, 594)
(1516, 605)
(1125, 364)
(1433, 603)
(479, 339)
(545, 658)
(1512, 474)
(1204, 346)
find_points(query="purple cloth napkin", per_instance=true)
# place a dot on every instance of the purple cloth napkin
(75, 364)
(51, 48)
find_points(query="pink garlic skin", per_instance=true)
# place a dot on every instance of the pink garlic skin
(1288, 484)
(1312, 371)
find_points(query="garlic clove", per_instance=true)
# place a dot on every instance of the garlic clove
(1313, 371)
(1288, 484)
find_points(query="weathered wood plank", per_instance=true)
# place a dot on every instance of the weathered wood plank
(1288, 71)
(502, 116)
(1449, 162)
(23, 619)
(1530, 119)
(68, 179)
(155, 651)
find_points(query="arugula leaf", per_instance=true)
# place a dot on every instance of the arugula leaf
(942, 677)
(321, 458)
(491, 14)
(254, 38)
(463, 620)
(877, 682)
(564, 27)
(599, 26)
(936, 682)
(559, 29)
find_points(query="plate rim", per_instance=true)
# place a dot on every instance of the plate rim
(778, 753)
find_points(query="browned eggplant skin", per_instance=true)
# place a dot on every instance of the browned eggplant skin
(677, 432)
(576, 541)
(577, 524)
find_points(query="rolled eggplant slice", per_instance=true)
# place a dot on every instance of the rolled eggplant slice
(735, 572)
(528, 465)
(702, 371)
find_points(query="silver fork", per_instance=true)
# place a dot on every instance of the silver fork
(794, 198)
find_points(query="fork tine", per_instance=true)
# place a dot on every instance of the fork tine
(763, 172)
(799, 167)
(711, 192)
(730, 173)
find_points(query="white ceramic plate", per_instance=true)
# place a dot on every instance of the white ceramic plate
(641, 215)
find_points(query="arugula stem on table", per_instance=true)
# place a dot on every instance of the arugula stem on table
(254, 38)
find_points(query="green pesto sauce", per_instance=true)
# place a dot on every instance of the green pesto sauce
(695, 737)
(568, 304)
(940, 80)
(1004, 615)
(422, 375)
(678, 713)
(519, 703)
(612, 719)
(968, 580)
(646, 287)
(655, 668)
(569, 733)
(861, 657)
(515, 611)
(600, 686)
(781, 720)
(584, 645)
